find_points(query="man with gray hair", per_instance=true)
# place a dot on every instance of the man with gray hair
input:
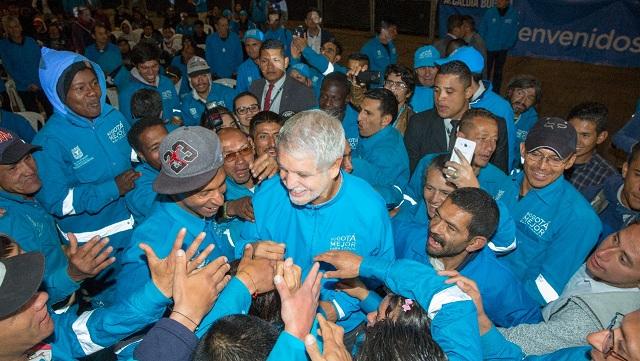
(315, 207)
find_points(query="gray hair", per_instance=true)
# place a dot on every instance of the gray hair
(7, 20)
(313, 132)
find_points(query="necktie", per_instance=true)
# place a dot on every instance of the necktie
(453, 133)
(267, 98)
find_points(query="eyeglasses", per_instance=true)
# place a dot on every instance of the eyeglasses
(233, 156)
(553, 160)
(395, 84)
(251, 108)
(609, 342)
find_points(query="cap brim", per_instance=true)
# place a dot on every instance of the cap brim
(547, 147)
(21, 281)
(165, 184)
(201, 71)
(16, 151)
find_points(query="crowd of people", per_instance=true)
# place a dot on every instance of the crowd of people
(226, 188)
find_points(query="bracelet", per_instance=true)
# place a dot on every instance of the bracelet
(255, 294)
(224, 211)
(185, 316)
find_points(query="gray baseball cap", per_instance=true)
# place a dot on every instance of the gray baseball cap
(190, 158)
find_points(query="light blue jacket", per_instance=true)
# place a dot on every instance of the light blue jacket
(223, 56)
(556, 230)
(422, 98)
(282, 34)
(350, 125)
(76, 336)
(184, 80)
(504, 298)
(355, 219)
(248, 71)
(385, 156)
(497, 105)
(21, 61)
(379, 56)
(193, 108)
(170, 99)
(498, 348)
(141, 198)
(499, 32)
(109, 60)
(80, 160)
(320, 63)
(524, 123)
(35, 231)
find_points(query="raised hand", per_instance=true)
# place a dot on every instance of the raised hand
(256, 273)
(89, 259)
(333, 343)
(347, 263)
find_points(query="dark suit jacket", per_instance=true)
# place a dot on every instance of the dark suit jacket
(295, 96)
(426, 134)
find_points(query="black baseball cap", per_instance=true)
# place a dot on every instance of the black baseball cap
(553, 133)
(12, 148)
(20, 278)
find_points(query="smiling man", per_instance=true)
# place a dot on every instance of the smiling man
(315, 207)
(555, 226)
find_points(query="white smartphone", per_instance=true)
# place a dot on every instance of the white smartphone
(466, 147)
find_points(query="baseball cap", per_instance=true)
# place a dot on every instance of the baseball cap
(12, 148)
(196, 66)
(243, 13)
(190, 158)
(226, 12)
(425, 56)
(253, 34)
(303, 69)
(553, 133)
(20, 278)
(468, 55)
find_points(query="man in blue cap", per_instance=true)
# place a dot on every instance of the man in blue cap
(426, 70)
(249, 71)
(484, 97)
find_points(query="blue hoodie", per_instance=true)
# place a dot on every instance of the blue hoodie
(523, 124)
(499, 32)
(355, 219)
(170, 99)
(380, 56)
(422, 98)
(80, 160)
(140, 200)
(21, 61)
(193, 107)
(110, 60)
(248, 71)
(223, 56)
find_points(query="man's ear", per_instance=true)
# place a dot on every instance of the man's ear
(337, 59)
(625, 169)
(602, 137)
(386, 120)
(334, 169)
(476, 244)
(570, 161)
(286, 62)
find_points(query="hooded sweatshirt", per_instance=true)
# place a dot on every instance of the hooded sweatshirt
(80, 160)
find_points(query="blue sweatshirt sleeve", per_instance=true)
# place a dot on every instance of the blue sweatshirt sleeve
(168, 340)
(629, 135)
(234, 299)
(454, 319)
(59, 195)
(78, 335)
(59, 285)
(317, 61)
(504, 239)
(371, 303)
(288, 348)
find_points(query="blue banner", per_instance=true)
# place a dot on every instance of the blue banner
(603, 32)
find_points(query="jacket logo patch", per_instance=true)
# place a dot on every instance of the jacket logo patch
(347, 242)
(166, 95)
(535, 223)
(116, 133)
(180, 155)
(193, 111)
(76, 152)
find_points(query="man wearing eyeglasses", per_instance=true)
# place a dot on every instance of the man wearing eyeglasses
(203, 92)
(556, 227)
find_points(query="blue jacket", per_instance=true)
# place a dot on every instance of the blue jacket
(629, 135)
(385, 155)
(497, 105)
(556, 229)
(498, 348)
(159, 231)
(350, 125)
(504, 298)
(21, 61)
(185, 87)
(80, 160)
(490, 178)
(76, 336)
(248, 71)
(422, 98)
(313, 229)
(109, 60)
(140, 199)
(223, 56)
(320, 63)
(192, 107)
(282, 34)
(499, 32)
(170, 99)
(17, 124)
(232, 228)
(35, 231)
(613, 214)
(379, 56)
(524, 123)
